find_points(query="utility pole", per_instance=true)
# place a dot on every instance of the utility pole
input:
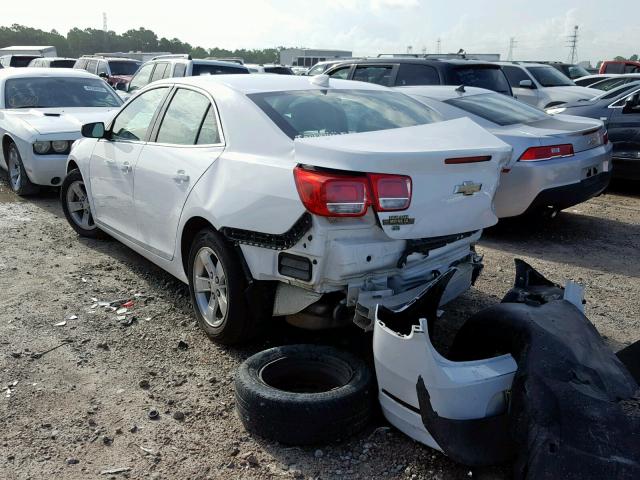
(409, 49)
(512, 46)
(104, 22)
(439, 46)
(573, 45)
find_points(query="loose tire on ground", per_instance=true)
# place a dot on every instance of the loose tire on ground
(304, 394)
(218, 287)
(16, 175)
(75, 205)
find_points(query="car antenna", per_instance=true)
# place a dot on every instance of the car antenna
(461, 89)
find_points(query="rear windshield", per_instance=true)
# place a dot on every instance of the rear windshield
(21, 61)
(124, 68)
(62, 63)
(482, 77)
(318, 113)
(58, 92)
(279, 70)
(209, 69)
(550, 77)
(498, 109)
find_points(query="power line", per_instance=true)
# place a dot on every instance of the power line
(512, 46)
(573, 45)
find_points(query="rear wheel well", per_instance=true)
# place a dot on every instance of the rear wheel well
(191, 228)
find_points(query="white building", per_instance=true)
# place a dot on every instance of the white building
(308, 57)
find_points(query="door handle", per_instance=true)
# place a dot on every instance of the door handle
(126, 167)
(181, 177)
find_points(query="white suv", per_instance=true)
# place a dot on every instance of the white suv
(285, 195)
(542, 85)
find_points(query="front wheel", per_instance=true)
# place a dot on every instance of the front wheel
(75, 205)
(16, 174)
(217, 285)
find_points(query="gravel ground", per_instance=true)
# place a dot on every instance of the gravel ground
(82, 408)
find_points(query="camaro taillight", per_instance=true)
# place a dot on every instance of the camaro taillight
(547, 153)
(331, 194)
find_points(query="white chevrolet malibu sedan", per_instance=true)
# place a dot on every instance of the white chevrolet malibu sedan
(41, 113)
(311, 198)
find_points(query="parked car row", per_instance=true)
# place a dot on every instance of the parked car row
(364, 191)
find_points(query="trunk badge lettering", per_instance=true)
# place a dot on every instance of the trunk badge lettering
(396, 220)
(468, 188)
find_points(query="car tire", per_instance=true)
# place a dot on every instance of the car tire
(16, 175)
(304, 394)
(76, 207)
(222, 311)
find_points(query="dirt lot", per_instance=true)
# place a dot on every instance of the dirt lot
(81, 408)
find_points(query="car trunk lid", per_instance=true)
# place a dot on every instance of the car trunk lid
(447, 197)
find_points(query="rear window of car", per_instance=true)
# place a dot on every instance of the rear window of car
(416, 74)
(56, 92)
(123, 68)
(550, 77)
(21, 61)
(480, 76)
(498, 109)
(208, 69)
(279, 70)
(318, 113)
(62, 63)
(576, 71)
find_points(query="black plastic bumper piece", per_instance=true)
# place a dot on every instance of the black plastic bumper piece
(570, 195)
(626, 168)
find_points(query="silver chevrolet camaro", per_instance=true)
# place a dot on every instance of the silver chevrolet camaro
(558, 161)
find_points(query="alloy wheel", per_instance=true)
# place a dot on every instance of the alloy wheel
(210, 287)
(78, 206)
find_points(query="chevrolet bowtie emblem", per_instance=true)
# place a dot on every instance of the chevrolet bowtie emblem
(468, 188)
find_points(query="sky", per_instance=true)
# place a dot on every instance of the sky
(540, 27)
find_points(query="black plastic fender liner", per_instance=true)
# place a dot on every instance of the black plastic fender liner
(630, 356)
(476, 442)
(575, 409)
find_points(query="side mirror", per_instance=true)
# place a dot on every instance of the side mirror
(632, 104)
(526, 84)
(93, 130)
(103, 75)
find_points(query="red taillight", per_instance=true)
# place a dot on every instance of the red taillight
(330, 194)
(391, 192)
(546, 153)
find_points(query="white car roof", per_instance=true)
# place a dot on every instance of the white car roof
(31, 72)
(443, 92)
(258, 83)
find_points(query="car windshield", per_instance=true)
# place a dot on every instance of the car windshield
(576, 71)
(498, 109)
(57, 92)
(550, 77)
(482, 77)
(123, 68)
(317, 113)
(212, 69)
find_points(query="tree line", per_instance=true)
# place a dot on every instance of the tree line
(88, 41)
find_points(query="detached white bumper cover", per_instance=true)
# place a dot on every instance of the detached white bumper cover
(404, 354)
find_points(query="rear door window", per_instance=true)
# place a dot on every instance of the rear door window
(416, 74)
(92, 65)
(378, 74)
(160, 71)
(183, 119)
(180, 70)
(481, 77)
(210, 69)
